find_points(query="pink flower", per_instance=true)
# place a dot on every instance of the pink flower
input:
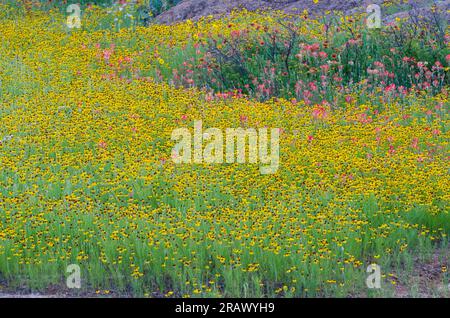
(107, 54)
(235, 33)
(391, 150)
(102, 144)
(436, 132)
(323, 55)
(364, 119)
(378, 64)
(313, 86)
(407, 59)
(243, 118)
(307, 94)
(390, 88)
(325, 68)
(402, 90)
(319, 112)
(313, 48)
(415, 143)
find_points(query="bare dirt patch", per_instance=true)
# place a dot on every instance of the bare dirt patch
(428, 278)
(195, 9)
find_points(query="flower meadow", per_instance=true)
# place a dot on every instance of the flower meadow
(87, 176)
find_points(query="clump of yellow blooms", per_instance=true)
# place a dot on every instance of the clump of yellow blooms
(86, 176)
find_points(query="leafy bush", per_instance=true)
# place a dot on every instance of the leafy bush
(287, 62)
(159, 6)
(147, 8)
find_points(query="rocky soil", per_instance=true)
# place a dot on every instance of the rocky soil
(194, 9)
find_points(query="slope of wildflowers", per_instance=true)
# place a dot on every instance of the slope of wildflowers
(86, 175)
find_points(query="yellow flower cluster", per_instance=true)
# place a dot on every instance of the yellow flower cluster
(86, 176)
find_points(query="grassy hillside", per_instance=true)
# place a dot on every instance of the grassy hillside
(88, 175)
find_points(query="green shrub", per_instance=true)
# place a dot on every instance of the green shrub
(284, 62)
